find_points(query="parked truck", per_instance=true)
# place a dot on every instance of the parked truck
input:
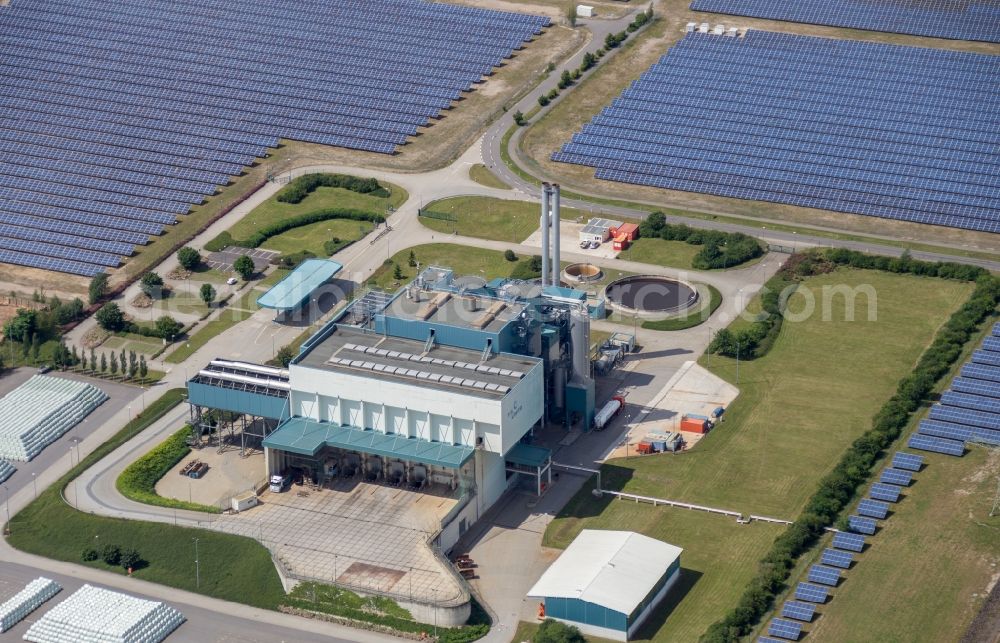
(608, 411)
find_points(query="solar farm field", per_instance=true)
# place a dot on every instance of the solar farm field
(900, 133)
(124, 116)
(799, 407)
(971, 20)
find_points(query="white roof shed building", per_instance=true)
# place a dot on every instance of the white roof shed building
(607, 582)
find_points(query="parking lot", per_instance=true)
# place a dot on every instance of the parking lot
(223, 259)
(358, 535)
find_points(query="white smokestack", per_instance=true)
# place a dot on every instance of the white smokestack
(554, 209)
(543, 222)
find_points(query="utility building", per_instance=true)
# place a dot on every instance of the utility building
(607, 582)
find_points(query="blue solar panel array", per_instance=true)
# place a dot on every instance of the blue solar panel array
(834, 558)
(873, 508)
(798, 610)
(936, 445)
(898, 477)
(824, 575)
(118, 117)
(785, 629)
(811, 593)
(848, 541)
(882, 130)
(862, 525)
(907, 461)
(954, 19)
(886, 492)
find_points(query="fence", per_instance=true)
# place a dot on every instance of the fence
(656, 502)
(430, 214)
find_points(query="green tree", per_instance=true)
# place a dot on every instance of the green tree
(104, 363)
(36, 346)
(22, 325)
(188, 258)
(98, 287)
(122, 364)
(552, 631)
(571, 13)
(565, 80)
(207, 293)
(285, 356)
(93, 361)
(129, 558)
(509, 255)
(76, 356)
(111, 554)
(543, 100)
(168, 328)
(152, 284)
(114, 363)
(143, 369)
(244, 267)
(519, 118)
(589, 60)
(110, 317)
(412, 260)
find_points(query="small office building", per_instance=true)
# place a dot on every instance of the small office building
(607, 582)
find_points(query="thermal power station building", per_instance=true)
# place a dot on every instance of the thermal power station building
(441, 382)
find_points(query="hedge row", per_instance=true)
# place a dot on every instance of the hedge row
(300, 188)
(138, 480)
(720, 249)
(838, 488)
(260, 236)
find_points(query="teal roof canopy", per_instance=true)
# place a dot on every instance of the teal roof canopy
(528, 455)
(564, 293)
(304, 436)
(295, 288)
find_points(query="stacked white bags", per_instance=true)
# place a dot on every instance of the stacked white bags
(38, 412)
(26, 601)
(6, 470)
(96, 615)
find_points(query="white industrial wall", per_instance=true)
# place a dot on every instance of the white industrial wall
(440, 415)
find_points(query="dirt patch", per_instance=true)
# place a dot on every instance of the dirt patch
(95, 337)
(142, 300)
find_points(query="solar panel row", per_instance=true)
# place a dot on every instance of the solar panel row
(835, 558)
(873, 508)
(886, 492)
(824, 575)
(811, 593)
(937, 445)
(898, 477)
(120, 116)
(798, 610)
(962, 433)
(907, 461)
(849, 128)
(785, 629)
(967, 20)
(861, 524)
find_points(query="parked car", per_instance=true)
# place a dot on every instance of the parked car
(280, 483)
(231, 281)
(595, 244)
(585, 244)
(45, 369)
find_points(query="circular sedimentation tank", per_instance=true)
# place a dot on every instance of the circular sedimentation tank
(650, 295)
(582, 273)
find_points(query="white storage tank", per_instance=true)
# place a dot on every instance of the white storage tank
(584, 11)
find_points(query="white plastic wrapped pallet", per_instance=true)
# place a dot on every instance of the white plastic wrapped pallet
(26, 601)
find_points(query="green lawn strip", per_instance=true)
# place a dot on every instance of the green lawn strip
(463, 260)
(660, 252)
(138, 480)
(340, 602)
(313, 237)
(248, 300)
(689, 321)
(481, 175)
(964, 536)
(228, 318)
(276, 275)
(785, 429)
(718, 559)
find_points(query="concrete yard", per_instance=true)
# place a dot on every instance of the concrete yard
(569, 233)
(692, 389)
(362, 536)
(228, 475)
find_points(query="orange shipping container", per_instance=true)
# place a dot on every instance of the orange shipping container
(694, 425)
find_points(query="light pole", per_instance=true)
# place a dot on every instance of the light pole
(34, 483)
(197, 566)
(737, 362)
(6, 506)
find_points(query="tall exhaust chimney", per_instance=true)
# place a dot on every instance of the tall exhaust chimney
(543, 222)
(554, 209)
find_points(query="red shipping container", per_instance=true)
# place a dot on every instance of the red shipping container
(644, 448)
(694, 425)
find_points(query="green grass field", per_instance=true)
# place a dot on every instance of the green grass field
(660, 252)
(489, 218)
(228, 318)
(272, 210)
(481, 175)
(464, 261)
(312, 237)
(799, 407)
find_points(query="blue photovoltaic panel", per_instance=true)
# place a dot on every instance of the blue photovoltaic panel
(811, 593)
(767, 639)
(989, 358)
(824, 575)
(937, 445)
(908, 461)
(873, 508)
(959, 432)
(983, 372)
(835, 558)
(861, 524)
(119, 117)
(848, 541)
(957, 20)
(886, 492)
(880, 130)
(898, 477)
(970, 401)
(972, 386)
(785, 629)
(798, 610)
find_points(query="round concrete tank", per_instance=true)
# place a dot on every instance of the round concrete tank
(582, 273)
(650, 295)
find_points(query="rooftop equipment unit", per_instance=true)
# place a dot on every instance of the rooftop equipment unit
(719, 30)
(691, 26)
(733, 32)
(703, 28)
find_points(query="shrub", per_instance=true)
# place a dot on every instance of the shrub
(207, 294)
(285, 356)
(138, 481)
(293, 259)
(110, 317)
(552, 631)
(90, 554)
(306, 184)
(509, 255)
(111, 554)
(553, 93)
(543, 100)
(188, 258)
(527, 268)
(151, 284)
(130, 558)
(244, 267)
(98, 287)
(167, 327)
(519, 118)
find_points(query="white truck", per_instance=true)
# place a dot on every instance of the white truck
(280, 482)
